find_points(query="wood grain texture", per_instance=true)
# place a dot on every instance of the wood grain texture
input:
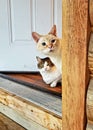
(90, 64)
(8, 124)
(90, 55)
(90, 50)
(89, 126)
(33, 80)
(92, 28)
(46, 101)
(74, 59)
(89, 102)
(30, 111)
(91, 11)
(20, 119)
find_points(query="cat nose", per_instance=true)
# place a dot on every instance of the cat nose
(50, 46)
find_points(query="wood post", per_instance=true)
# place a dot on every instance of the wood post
(91, 11)
(92, 29)
(89, 102)
(90, 51)
(89, 105)
(74, 63)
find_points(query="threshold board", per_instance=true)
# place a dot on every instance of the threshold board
(48, 102)
(33, 80)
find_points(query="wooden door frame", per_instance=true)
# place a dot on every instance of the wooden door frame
(74, 63)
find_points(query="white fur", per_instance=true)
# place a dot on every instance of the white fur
(50, 75)
(54, 53)
(56, 57)
(53, 50)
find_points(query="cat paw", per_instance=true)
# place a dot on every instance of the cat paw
(53, 85)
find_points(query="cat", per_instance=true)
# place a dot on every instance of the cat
(48, 71)
(51, 46)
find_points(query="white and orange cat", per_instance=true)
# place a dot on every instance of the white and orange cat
(51, 46)
(48, 71)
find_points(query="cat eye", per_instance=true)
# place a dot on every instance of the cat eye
(43, 43)
(53, 40)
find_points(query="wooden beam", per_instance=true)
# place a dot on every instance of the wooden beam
(92, 28)
(89, 102)
(90, 55)
(8, 124)
(74, 61)
(90, 65)
(20, 118)
(91, 11)
(89, 126)
(30, 111)
(90, 49)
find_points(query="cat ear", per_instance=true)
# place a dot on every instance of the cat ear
(38, 59)
(53, 30)
(36, 36)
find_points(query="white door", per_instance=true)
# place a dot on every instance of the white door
(18, 18)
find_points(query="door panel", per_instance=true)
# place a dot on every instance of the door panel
(18, 18)
(21, 20)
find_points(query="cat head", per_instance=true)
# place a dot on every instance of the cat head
(44, 64)
(47, 43)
